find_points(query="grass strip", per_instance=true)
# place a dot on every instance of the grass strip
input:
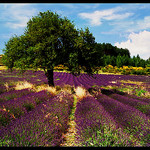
(69, 136)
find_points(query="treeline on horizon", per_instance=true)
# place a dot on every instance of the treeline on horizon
(112, 55)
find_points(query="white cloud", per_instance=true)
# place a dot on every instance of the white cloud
(137, 25)
(17, 15)
(110, 14)
(144, 24)
(125, 27)
(80, 5)
(137, 43)
(118, 18)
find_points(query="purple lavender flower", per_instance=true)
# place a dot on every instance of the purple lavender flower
(13, 94)
(127, 116)
(42, 126)
(89, 113)
(90, 117)
(142, 106)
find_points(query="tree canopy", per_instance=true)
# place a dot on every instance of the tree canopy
(50, 40)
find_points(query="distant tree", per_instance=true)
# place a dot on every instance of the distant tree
(135, 61)
(119, 61)
(130, 62)
(48, 41)
(126, 52)
(99, 53)
(113, 60)
(147, 62)
(138, 60)
(142, 63)
(126, 60)
(109, 49)
(107, 60)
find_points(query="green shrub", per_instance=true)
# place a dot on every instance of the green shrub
(126, 72)
(133, 71)
(104, 69)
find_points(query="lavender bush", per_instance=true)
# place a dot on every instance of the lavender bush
(13, 94)
(142, 106)
(20, 106)
(128, 117)
(43, 126)
(30, 118)
(96, 127)
(146, 100)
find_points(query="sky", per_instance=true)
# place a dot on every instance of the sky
(125, 25)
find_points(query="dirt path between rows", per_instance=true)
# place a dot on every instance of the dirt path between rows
(69, 139)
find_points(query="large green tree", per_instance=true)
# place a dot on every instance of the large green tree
(50, 40)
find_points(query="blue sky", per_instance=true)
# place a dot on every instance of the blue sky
(121, 24)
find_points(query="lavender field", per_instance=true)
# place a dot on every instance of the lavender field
(107, 110)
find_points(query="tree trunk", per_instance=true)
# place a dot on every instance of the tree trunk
(49, 75)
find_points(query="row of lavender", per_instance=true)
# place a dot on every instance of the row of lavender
(101, 112)
(32, 119)
(19, 102)
(67, 78)
(62, 78)
(141, 105)
(41, 126)
(94, 115)
(104, 121)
